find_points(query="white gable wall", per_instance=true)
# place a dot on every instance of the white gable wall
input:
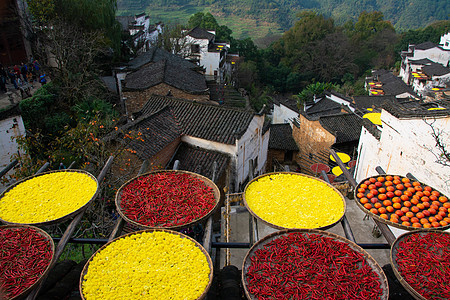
(210, 61)
(340, 101)
(283, 114)
(405, 146)
(435, 54)
(251, 146)
(445, 41)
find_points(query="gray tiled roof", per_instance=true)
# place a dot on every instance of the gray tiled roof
(167, 72)
(200, 161)
(345, 127)
(418, 109)
(425, 46)
(156, 130)
(155, 54)
(364, 102)
(423, 61)
(288, 102)
(323, 107)
(281, 137)
(435, 69)
(200, 33)
(205, 121)
(393, 85)
(110, 83)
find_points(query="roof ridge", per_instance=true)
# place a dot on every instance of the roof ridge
(182, 100)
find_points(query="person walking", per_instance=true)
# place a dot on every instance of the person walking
(12, 78)
(3, 79)
(24, 72)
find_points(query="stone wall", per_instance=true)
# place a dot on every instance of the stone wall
(311, 138)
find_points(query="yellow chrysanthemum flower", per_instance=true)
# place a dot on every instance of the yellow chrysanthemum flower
(294, 201)
(147, 265)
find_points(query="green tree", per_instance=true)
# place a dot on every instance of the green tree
(310, 28)
(312, 90)
(88, 15)
(208, 22)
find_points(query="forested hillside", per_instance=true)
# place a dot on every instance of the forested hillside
(257, 18)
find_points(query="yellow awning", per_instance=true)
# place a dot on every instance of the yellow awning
(375, 118)
(337, 170)
(345, 158)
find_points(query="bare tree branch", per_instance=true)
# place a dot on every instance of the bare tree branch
(443, 155)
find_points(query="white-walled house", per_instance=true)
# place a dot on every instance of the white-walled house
(430, 76)
(445, 41)
(423, 54)
(238, 133)
(143, 34)
(404, 143)
(206, 52)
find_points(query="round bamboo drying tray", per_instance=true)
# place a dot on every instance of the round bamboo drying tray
(388, 222)
(208, 258)
(267, 239)
(393, 258)
(297, 174)
(47, 269)
(63, 218)
(204, 179)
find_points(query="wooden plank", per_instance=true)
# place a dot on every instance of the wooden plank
(207, 236)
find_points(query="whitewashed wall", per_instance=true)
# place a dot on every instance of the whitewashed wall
(445, 41)
(210, 61)
(9, 128)
(250, 146)
(436, 54)
(283, 114)
(405, 146)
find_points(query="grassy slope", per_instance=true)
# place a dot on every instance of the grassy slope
(245, 21)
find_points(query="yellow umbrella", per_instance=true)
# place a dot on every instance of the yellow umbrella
(375, 118)
(337, 171)
(345, 158)
(370, 109)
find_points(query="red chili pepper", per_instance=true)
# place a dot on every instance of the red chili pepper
(24, 256)
(423, 260)
(310, 266)
(166, 199)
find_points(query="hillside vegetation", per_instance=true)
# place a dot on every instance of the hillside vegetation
(256, 19)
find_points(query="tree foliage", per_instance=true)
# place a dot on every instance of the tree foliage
(86, 15)
(314, 89)
(208, 22)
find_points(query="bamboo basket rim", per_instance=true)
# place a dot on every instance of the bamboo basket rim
(393, 256)
(63, 218)
(42, 232)
(298, 174)
(388, 222)
(206, 181)
(208, 258)
(270, 237)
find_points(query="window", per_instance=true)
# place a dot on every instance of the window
(195, 48)
(288, 155)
